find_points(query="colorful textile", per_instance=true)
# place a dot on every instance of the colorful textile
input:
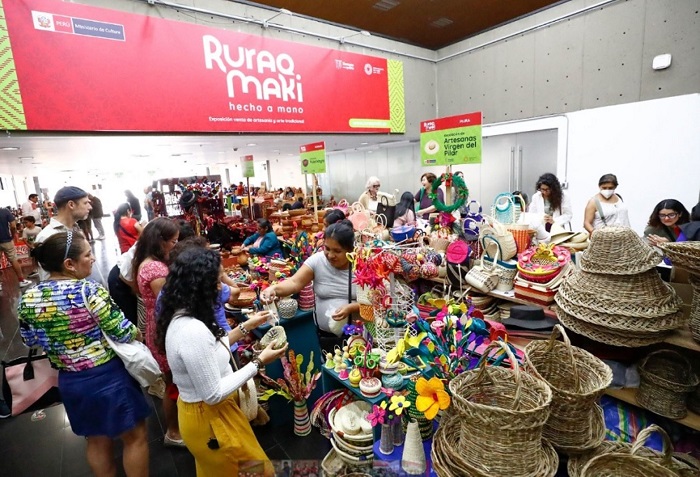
(53, 315)
(147, 273)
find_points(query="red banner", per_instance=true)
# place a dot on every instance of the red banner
(83, 68)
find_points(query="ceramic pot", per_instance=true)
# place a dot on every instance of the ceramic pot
(287, 307)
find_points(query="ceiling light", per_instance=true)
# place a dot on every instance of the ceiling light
(251, 144)
(363, 143)
(361, 32)
(442, 22)
(178, 154)
(385, 5)
(9, 148)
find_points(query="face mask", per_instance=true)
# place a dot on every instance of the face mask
(607, 193)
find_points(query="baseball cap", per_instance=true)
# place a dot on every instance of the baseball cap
(68, 193)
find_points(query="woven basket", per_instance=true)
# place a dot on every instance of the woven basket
(577, 379)
(449, 461)
(632, 463)
(542, 263)
(618, 251)
(666, 379)
(501, 235)
(363, 295)
(606, 335)
(439, 244)
(287, 308)
(502, 413)
(643, 295)
(275, 333)
(695, 307)
(245, 298)
(366, 312)
(522, 234)
(619, 322)
(680, 464)
(684, 255)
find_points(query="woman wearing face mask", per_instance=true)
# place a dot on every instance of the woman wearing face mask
(606, 207)
(665, 221)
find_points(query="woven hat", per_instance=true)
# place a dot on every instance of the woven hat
(559, 235)
(618, 251)
(684, 254)
(529, 318)
(642, 295)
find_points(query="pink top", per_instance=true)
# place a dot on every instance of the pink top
(147, 273)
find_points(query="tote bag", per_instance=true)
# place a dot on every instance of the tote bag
(29, 382)
(388, 211)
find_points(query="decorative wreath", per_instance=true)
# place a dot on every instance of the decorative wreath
(450, 180)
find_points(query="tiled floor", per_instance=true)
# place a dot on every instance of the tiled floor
(47, 447)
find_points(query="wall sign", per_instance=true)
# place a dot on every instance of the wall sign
(313, 158)
(451, 140)
(248, 166)
(82, 68)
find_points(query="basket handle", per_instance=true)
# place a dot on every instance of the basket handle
(559, 330)
(498, 245)
(513, 365)
(645, 433)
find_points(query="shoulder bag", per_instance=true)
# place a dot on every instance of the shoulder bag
(137, 358)
(247, 394)
(388, 211)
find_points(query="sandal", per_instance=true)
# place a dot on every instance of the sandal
(170, 442)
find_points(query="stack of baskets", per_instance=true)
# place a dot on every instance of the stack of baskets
(577, 380)
(307, 298)
(666, 380)
(541, 270)
(497, 429)
(616, 297)
(351, 433)
(686, 255)
(621, 458)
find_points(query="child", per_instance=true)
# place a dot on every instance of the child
(29, 233)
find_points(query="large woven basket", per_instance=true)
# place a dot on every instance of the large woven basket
(502, 412)
(643, 295)
(449, 461)
(666, 379)
(621, 323)
(606, 335)
(681, 464)
(633, 463)
(502, 236)
(618, 251)
(577, 379)
(695, 306)
(684, 255)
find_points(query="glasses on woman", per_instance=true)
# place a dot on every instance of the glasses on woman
(672, 215)
(544, 189)
(376, 186)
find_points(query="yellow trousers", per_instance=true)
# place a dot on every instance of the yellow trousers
(204, 427)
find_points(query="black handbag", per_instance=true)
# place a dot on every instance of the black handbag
(388, 211)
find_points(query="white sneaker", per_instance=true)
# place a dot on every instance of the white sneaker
(25, 283)
(33, 275)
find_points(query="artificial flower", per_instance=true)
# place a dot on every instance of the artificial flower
(395, 354)
(376, 416)
(398, 404)
(431, 397)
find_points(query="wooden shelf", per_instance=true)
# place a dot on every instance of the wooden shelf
(629, 395)
(684, 339)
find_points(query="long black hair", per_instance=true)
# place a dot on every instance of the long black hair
(332, 216)
(122, 211)
(671, 204)
(191, 286)
(407, 203)
(555, 193)
(151, 241)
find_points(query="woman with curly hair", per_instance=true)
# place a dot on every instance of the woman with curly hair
(665, 221)
(213, 427)
(551, 202)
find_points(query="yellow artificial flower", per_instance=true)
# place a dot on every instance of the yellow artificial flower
(398, 404)
(431, 397)
(394, 355)
(414, 341)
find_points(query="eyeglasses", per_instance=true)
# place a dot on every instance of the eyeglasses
(377, 186)
(544, 189)
(672, 215)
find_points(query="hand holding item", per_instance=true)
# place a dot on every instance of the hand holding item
(341, 313)
(268, 295)
(257, 319)
(656, 239)
(270, 354)
(548, 219)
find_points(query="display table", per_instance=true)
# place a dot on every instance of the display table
(330, 380)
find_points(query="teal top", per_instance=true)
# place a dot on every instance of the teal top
(269, 246)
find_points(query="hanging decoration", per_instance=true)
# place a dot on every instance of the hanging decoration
(450, 180)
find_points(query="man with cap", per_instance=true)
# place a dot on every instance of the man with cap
(72, 204)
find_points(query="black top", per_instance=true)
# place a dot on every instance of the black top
(135, 207)
(96, 212)
(691, 230)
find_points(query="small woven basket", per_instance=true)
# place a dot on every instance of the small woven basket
(666, 379)
(680, 464)
(439, 244)
(522, 234)
(287, 308)
(577, 379)
(245, 298)
(502, 413)
(633, 463)
(366, 312)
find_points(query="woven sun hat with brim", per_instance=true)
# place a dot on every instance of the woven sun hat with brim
(603, 334)
(684, 255)
(559, 235)
(643, 295)
(618, 251)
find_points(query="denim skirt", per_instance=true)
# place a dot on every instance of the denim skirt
(102, 401)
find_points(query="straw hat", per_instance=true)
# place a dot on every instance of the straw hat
(618, 251)
(559, 235)
(642, 295)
